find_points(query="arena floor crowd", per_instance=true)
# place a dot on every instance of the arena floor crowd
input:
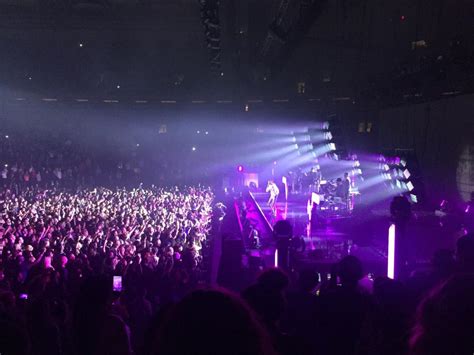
(88, 270)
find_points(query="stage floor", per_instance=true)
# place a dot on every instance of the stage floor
(295, 210)
(327, 241)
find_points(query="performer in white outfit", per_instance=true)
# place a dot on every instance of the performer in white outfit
(274, 191)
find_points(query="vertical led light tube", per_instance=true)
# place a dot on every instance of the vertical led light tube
(391, 252)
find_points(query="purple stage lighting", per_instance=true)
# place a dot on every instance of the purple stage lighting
(240, 168)
(391, 252)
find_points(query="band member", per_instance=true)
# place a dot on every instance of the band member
(315, 179)
(346, 183)
(292, 176)
(340, 189)
(274, 191)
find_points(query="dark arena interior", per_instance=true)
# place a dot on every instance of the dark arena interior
(236, 177)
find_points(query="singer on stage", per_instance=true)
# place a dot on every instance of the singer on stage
(274, 191)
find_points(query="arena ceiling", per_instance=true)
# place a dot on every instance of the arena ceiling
(145, 48)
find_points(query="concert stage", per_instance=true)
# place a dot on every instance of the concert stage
(327, 239)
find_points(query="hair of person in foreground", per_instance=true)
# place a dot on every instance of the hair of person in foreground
(445, 319)
(212, 321)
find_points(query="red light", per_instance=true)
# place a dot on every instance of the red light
(402, 17)
(240, 168)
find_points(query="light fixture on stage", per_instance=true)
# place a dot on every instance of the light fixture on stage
(193, 149)
(332, 146)
(391, 252)
(240, 168)
(406, 173)
(397, 176)
(284, 181)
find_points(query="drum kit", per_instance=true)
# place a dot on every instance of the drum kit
(332, 199)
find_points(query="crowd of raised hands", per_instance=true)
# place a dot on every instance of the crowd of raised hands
(102, 230)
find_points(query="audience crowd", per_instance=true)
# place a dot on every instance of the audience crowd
(60, 252)
(89, 271)
(71, 154)
(52, 240)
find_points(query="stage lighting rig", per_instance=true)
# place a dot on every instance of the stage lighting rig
(212, 30)
(397, 176)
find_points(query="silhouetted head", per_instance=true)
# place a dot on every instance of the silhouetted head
(350, 270)
(211, 322)
(89, 312)
(307, 280)
(274, 279)
(445, 319)
(266, 297)
(389, 293)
